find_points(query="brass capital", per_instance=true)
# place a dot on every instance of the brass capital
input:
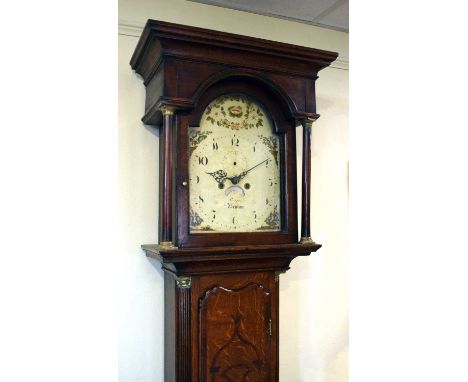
(184, 282)
(167, 110)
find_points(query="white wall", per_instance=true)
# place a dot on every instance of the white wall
(313, 300)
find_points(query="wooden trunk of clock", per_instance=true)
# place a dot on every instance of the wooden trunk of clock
(225, 328)
(227, 107)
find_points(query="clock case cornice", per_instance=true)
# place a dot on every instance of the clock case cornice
(168, 55)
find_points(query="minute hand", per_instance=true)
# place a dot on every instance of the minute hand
(236, 179)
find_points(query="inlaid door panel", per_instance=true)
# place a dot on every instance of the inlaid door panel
(235, 317)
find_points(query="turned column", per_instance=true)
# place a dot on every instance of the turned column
(306, 155)
(166, 178)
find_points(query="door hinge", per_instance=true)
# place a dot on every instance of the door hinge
(269, 327)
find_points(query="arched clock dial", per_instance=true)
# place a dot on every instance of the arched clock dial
(234, 168)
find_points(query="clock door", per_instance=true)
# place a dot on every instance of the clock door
(237, 183)
(236, 329)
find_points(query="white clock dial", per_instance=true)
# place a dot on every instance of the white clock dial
(234, 169)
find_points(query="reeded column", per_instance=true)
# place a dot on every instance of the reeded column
(306, 155)
(165, 198)
(184, 329)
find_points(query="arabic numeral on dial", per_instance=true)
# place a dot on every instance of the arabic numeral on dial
(201, 199)
(215, 145)
(203, 161)
(235, 142)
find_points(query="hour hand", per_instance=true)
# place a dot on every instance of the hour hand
(219, 176)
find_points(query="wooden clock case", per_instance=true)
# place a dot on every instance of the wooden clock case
(222, 289)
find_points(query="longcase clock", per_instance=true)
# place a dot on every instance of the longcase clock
(227, 107)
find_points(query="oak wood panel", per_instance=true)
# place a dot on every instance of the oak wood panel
(236, 328)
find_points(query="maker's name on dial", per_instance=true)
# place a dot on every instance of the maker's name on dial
(234, 206)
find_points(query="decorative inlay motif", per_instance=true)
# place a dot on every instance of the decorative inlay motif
(195, 138)
(272, 143)
(272, 221)
(234, 112)
(196, 221)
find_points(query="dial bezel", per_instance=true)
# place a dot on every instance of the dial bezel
(283, 126)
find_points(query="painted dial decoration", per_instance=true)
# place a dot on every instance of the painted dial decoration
(234, 169)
